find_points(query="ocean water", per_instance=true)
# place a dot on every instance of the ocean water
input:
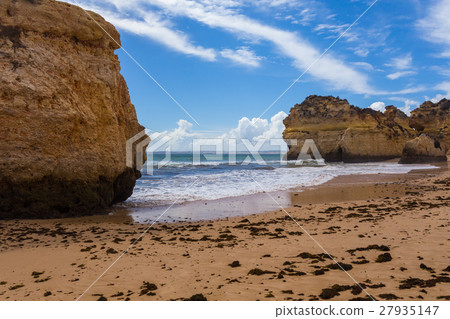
(181, 180)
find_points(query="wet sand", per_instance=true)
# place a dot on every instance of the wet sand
(259, 203)
(389, 232)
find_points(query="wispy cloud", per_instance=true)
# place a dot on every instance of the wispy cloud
(243, 56)
(362, 52)
(363, 39)
(154, 27)
(364, 65)
(224, 15)
(401, 63)
(397, 75)
(442, 69)
(157, 19)
(408, 104)
(333, 28)
(336, 72)
(442, 87)
(435, 26)
(409, 90)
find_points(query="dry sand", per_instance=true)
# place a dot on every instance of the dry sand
(391, 233)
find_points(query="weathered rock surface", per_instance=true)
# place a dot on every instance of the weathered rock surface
(65, 112)
(423, 149)
(343, 132)
(433, 119)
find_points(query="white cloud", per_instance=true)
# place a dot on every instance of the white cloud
(408, 106)
(306, 16)
(401, 63)
(257, 128)
(277, 3)
(296, 12)
(334, 71)
(181, 138)
(439, 97)
(276, 127)
(248, 129)
(364, 65)
(154, 27)
(445, 87)
(362, 52)
(442, 69)
(224, 15)
(363, 39)
(404, 67)
(410, 90)
(435, 26)
(156, 19)
(146, 23)
(242, 56)
(397, 75)
(406, 109)
(378, 106)
(333, 28)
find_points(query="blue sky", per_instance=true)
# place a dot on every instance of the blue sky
(226, 61)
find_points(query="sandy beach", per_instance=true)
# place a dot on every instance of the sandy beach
(389, 232)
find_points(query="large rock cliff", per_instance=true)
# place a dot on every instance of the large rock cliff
(343, 132)
(65, 112)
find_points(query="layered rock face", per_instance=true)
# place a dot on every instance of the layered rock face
(423, 149)
(65, 112)
(433, 119)
(343, 132)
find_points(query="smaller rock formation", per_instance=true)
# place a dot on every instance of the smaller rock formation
(343, 132)
(347, 133)
(433, 119)
(423, 149)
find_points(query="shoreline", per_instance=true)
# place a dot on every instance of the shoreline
(251, 204)
(339, 188)
(408, 214)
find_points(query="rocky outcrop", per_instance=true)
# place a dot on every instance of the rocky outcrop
(65, 112)
(343, 132)
(423, 149)
(433, 119)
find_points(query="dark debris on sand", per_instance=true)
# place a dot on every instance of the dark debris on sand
(148, 288)
(197, 297)
(259, 272)
(383, 258)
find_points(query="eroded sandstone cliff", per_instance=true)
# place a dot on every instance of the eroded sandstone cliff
(433, 119)
(65, 112)
(423, 149)
(343, 132)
